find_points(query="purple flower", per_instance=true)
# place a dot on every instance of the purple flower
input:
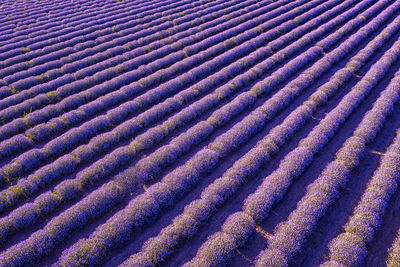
(348, 249)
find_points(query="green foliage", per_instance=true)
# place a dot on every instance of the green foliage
(25, 49)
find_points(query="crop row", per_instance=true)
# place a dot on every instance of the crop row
(114, 118)
(31, 160)
(119, 50)
(153, 114)
(289, 236)
(118, 156)
(119, 45)
(102, 239)
(100, 194)
(239, 226)
(349, 248)
(104, 167)
(53, 15)
(146, 140)
(213, 45)
(55, 20)
(14, 21)
(142, 24)
(394, 252)
(89, 109)
(69, 37)
(129, 46)
(127, 61)
(38, 15)
(221, 246)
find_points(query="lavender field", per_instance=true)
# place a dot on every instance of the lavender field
(200, 133)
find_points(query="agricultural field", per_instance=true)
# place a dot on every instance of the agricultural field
(200, 133)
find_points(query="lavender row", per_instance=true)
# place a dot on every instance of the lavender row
(15, 9)
(130, 74)
(325, 44)
(30, 119)
(102, 240)
(103, 8)
(64, 17)
(37, 23)
(289, 236)
(239, 225)
(70, 42)
(131, 177)
(92, 29)
(148, 167)
(72, 69)
(188, 114)
(120, 29)
(116, 33)
(143, 208)
(38, 18)
(38, 10)
(84, 58)
(102, 168)
(158, 133)
(68, 63)
(157, 249)
(118, 38)
(349, 248)
(76, 21)
(94, 24)
(15, 168)
(393, 259)
(85, 41)
(111, 44)
(13, 22)
(129, 47)
(219, 248)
